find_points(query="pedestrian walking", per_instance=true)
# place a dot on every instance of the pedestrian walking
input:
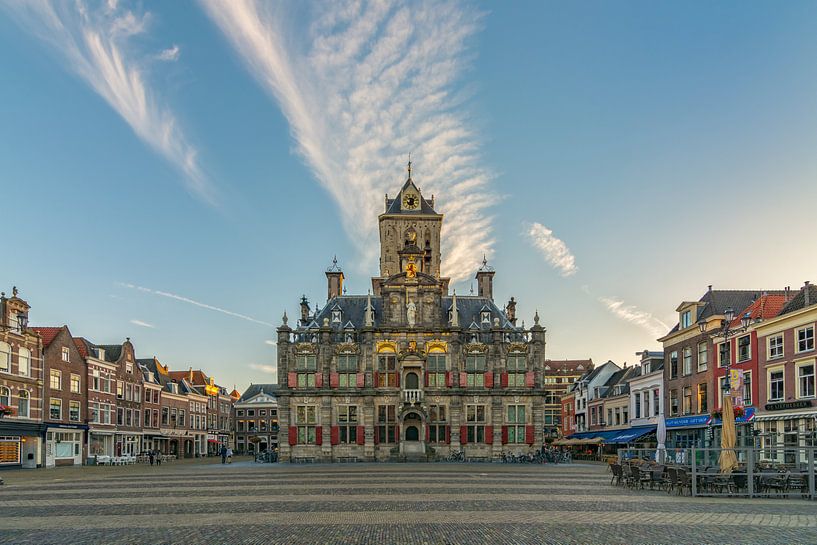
(229, 455)
(158, 458)
(151, 455)
(223, 454)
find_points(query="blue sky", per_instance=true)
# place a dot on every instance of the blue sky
(612, 159)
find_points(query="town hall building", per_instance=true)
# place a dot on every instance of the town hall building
(411, 370)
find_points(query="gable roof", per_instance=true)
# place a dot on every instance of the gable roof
(799, 301)
(198, 376)
(255, 389)
(393, 205)
(715, 302)
(48, 334)
(569, 365)
(112, 352)
(764, 307)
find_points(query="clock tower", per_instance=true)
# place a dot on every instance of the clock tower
(410, 234)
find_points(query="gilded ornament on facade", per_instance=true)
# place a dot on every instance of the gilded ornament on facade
(347, 348)
(306, 348)
(476, 347)
(436, 346)
(518, 347)
(386, 346)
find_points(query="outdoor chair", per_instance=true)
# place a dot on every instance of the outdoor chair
(671, 479)
(630, 476)
(644, 477)
(684, 482)
(617, 473)
(740, 481)
(798, 482)
(657, 477)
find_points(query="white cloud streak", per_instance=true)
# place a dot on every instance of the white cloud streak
(270, 342)
(269, 369)
(140, 323)
(169, 54)
(553, 249)
(371, 82)
(94, 43)
(195, 303)
(630, 313)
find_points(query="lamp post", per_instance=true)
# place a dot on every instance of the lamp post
(727, 459)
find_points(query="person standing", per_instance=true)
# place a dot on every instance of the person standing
(151, 455)
(230, 455)
(223, 453)
(158, 458)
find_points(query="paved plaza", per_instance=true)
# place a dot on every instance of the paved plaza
(473, 504)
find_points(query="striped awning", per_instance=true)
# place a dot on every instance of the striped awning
(787, 416)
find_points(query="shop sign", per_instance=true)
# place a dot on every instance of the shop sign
(785, 405)
(687, 421)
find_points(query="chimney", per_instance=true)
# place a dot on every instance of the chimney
(806, 294)
(190, 374)
(485, 280)
(334, 280)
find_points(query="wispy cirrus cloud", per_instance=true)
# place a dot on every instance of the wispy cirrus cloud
(264, 368)
(169, 54)
(553, 249)
(371, 82)
(94, 40)
(271, 342)
(630, 313)
(140, 323)
(195, 303)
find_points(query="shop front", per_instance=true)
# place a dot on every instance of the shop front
(127, 443)
(704, 432)
(785, 429)
(20, 444)
(100, 443)
(64, 444)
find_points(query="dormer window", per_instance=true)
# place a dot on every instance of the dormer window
(686, 319)
(101, 353)
(336, 316)
(485, 317)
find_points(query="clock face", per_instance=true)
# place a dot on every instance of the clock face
(410, 202)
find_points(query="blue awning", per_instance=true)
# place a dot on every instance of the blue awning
(604, 435)
(630, 435)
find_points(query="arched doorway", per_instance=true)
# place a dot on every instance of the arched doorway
(412, 381)
(412, 433)
(412, 424)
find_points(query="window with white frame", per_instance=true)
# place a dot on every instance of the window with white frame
(120, 389)
(5, 357)
(673, 364)
(686, 319)
(747, 388)
(805, 339)
(66, 354)
(73, 411)
(55, 411)
(687, 355)
(723, 354)
(75, 384)
(5, 396)
(24, 362)
(24, 404)
(805, 380)
(776, 385)
(55, 381)
(744, 348)
(703, 356)
(774, 347)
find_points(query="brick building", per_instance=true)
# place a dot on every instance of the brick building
(65, 398)
(128, 388)
(21, 391)
(256, 419)
(101, 393)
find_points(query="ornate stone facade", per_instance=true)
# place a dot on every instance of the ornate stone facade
(409, 370)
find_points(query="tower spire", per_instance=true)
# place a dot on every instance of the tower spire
(409, 166)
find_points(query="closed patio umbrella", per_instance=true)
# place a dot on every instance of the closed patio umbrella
(661, 437)
(728, 460)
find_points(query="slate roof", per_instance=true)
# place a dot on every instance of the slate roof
(112, 352)
(393, 205)
(569, 365)
(48, 334)
(255, 389)
(152, 365)
(716, 301)
(589, 376)
(86, 347)
(799, 301)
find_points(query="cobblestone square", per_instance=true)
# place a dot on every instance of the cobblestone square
(196, 503)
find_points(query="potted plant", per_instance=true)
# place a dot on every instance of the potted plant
(6, 410)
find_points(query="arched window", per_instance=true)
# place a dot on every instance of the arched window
(5, 357)
(5, 396)
(24, 362)
(23, 403)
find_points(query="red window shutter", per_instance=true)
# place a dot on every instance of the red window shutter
(376, 435)
(448, 379)
(361, 435)
(529, 435)
(504, 435)
(361, 380)
(293, 435)
(448, 434)
(428, 433)
(376, 379)
(425, 383)
(463, 378)
(318, 380)
(489, 379)
(397, 434)
(529, 379)
(334, 435)
(489, 435)
(503, 380)
(463, 435)
(334, 380)
(397, 379)
(292, 379)
(319, 435)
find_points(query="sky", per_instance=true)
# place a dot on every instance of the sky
(180, 173)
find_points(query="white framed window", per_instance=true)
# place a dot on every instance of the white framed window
(744, 348)
(687, 361)
(66, 354)
(703, 356)
(24, 362)
(747, 388)
(23, 404)
(5, 357)
(5, 396)
(73, 411)
(723, 354)
(686, 319)
(774, 346)
(336, 316)
(777, 387)
(55, 380)
(55, 408)
(486, 317)
(805, 339)
(805, 380)
(76, 384)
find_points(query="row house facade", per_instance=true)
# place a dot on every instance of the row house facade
(585, 391)
(559, 376)
(21, 386)
(256, 420)
(647, 389)
(411, 369)
(219, 407)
